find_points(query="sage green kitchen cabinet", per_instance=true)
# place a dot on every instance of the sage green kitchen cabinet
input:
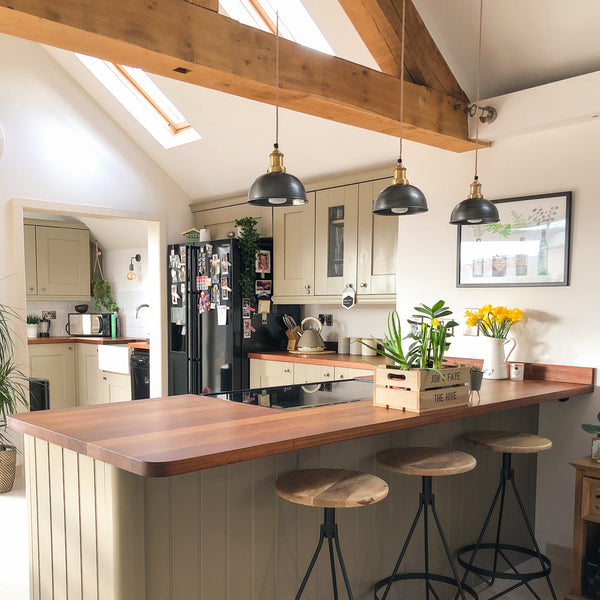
(57, 261)
(89, 377)
(56, 363)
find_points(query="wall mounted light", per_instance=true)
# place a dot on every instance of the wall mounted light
(476, 209)
(131, 272)
(276, 187)
(400, 198)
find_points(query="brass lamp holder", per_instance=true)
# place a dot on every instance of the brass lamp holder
(276, 161)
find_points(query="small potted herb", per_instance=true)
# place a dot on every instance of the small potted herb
(33, 322)
(595, 431)
(475, 377)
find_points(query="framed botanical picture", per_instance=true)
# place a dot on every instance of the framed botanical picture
(529, 246)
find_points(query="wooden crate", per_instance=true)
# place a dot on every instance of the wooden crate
(421, 390)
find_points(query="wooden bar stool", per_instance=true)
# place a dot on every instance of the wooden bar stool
(508, 443)
(428, 463)
(330, 489)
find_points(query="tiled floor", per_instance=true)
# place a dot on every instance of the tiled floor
(14, 559)
(14, 556)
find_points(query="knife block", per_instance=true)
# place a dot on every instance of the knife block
(293, 335)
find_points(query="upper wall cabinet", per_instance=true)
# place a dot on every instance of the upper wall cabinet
(221, 220)
(344, 245)
(294, 251)
(57, 260)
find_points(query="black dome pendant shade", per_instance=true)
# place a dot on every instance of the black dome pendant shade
(475, 209)
(400, 198)
(276, 187)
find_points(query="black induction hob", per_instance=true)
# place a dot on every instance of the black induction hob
(293, 397)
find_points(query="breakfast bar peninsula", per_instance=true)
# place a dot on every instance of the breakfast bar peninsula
(172, 498)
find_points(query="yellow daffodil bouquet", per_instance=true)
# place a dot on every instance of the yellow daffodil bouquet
(494, 321)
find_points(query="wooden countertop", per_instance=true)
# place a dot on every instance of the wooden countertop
(71, 339)
(180, 434)
(350, 361)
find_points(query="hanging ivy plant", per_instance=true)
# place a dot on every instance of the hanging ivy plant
(103, 297)
(248, 239)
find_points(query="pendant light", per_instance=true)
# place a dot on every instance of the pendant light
(276, 187)
(475, 209)
(400, 198)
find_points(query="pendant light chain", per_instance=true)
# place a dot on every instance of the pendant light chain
(277, 79)
(478, 79)
(402, 77)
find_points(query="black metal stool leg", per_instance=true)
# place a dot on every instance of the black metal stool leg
(426, 501)
(532, 536)
(506, 475)
(329, 531)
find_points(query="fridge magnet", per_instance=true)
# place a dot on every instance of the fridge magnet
(174, 295)
(248, 329)
(528, 247)
(263, 262)
(174, 260)
(182, 255)
(214, 296)
(215, 268)
(181, 273)
(202, 283)
(225, 263)
(204, 302)
(222, 315)
(247, 309)
(202, 263)
(264, 306)
(263, 287)
(173, 275)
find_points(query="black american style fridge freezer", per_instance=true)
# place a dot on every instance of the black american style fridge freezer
(211, 327)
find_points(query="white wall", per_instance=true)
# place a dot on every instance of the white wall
(61, 147)
(562, 325)
(129, 294)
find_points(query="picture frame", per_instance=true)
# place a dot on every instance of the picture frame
(528, 247)
(263, 262)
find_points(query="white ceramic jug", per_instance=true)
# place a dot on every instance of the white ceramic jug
(494, 363)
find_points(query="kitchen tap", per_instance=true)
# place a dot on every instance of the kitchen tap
(137, 310)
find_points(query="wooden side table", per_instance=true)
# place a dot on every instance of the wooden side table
(587, 511)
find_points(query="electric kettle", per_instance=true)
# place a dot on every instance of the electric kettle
(311, 338)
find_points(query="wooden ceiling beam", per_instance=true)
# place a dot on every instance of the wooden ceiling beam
(181, 40)
(379, 24)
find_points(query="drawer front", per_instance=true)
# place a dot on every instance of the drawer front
(590, 501)
(349, 373)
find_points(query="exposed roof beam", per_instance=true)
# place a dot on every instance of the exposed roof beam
(379, 24)
(167, 37)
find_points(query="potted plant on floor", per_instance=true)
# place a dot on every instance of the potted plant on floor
(12, 396)
(33, 322)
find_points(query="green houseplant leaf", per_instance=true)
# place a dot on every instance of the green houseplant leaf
(13, 390)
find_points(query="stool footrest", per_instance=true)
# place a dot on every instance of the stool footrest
(504, 574)
(424, 576)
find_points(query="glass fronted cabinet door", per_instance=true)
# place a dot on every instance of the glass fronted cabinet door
(336, 226)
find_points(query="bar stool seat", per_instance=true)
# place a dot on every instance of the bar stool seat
(504, 556)
(426, 463)
(330, 489)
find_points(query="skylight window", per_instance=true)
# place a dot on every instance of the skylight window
(143, 99)
(295, 23)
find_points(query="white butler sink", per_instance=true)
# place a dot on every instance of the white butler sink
(114, 358)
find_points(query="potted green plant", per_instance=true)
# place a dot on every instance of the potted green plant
(102, 294)
(248, 237)
(418, 380)
(12, 396)
(475, 377)
(595, 431)
(33, 322)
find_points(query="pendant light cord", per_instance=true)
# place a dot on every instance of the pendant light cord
(478, 79)
(402, 77)
(277, 79)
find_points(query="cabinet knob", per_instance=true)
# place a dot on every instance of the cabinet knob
(286, 370)
(307, 289)
(104, 378)
(70, 347)
(31, 289)
(363, 285)
(326, 374)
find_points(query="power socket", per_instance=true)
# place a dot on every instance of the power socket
(48, 314)
(326, 320)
